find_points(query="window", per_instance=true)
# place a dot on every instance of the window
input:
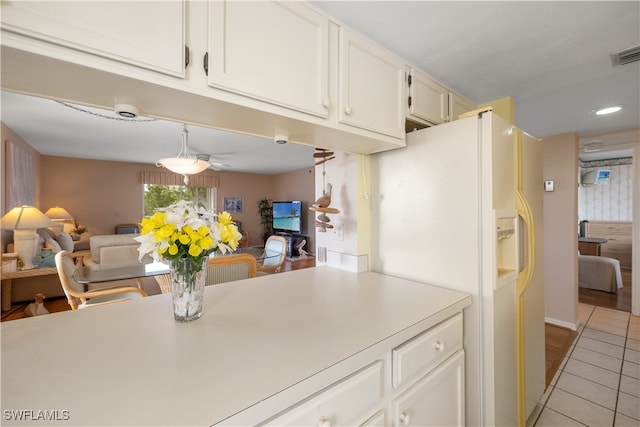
(160, 189)
(159, 196)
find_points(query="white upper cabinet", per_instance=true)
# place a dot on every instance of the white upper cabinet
(148, 34)
(428, 100)
(371, 86)
(459, 105)
(272, 51)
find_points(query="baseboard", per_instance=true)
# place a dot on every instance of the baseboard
(297, 258)
(567, 325)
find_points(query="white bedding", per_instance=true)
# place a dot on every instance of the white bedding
(600, 273)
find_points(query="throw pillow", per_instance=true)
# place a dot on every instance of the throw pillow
(45, 233)
(53, 245)
(65, 241)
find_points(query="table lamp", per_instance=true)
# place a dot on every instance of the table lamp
(61, 217)
(24, 221)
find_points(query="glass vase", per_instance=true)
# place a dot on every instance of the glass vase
(188, 277)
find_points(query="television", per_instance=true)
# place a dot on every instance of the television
(287, 217)
(595, 176)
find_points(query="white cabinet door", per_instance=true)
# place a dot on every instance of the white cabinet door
(272, 51)
(371, 86)
(148, 34)
(428, 100)
(435, 400)
(459, 105)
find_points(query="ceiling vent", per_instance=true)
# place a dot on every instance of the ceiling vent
(626, 56)
(593, 146)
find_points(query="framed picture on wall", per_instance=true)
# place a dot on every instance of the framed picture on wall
(233, 204)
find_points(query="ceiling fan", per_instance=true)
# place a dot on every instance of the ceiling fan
(213, 162)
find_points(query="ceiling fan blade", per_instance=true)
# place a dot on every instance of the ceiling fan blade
(323, 154)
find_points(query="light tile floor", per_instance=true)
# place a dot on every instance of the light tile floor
(598, 383)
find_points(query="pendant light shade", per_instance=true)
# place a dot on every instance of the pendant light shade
(184, 163)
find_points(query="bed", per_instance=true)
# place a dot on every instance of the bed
(600, 273)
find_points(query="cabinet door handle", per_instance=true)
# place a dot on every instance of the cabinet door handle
(405, 419)
(347, 111)
(324, 422)
(326, 103)
(439, 346)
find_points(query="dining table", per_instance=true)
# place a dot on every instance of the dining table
(100, 273)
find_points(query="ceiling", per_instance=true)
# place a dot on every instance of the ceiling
(553, 58)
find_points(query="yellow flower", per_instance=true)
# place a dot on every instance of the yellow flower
(154, 222)
(164, 235)
(195, 250)
(225, 218)
(185, 239)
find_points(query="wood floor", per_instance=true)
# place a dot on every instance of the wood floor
(558, 340)
(55, 305)
(620, 301)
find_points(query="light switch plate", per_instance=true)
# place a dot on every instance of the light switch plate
(548, 185)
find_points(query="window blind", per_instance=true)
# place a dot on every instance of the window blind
(163, 178)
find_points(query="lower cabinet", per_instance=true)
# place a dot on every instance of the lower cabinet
(417, 383)
(437, 399)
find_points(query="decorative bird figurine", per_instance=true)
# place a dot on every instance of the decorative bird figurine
(325, 200)
(36, 308)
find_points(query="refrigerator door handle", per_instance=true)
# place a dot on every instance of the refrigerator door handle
(523, 281)
(525, 270)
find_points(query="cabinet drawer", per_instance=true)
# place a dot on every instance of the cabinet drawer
(609, 228)
(340, 404)
(617, 247)
(618, 240)
(624, 258)
(427, 350)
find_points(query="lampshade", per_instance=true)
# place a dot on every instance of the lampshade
(184, 163)
(58, 214)
(25, 218)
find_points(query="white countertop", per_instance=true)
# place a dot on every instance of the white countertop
(130, 363)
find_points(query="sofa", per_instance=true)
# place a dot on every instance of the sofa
(98, 250)
(117, 250)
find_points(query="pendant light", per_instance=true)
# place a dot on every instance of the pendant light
(184, 163)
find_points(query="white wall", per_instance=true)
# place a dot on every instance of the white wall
(346, 245)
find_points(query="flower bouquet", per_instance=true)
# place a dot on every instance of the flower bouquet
(184, 235)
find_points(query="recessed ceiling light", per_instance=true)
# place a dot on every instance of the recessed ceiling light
(608, 110)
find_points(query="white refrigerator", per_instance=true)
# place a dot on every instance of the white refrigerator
(461, 207)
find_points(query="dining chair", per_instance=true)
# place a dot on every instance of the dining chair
(164, 282)
(244, 242)
(78, 297)
(228, 268)
(276, 244)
